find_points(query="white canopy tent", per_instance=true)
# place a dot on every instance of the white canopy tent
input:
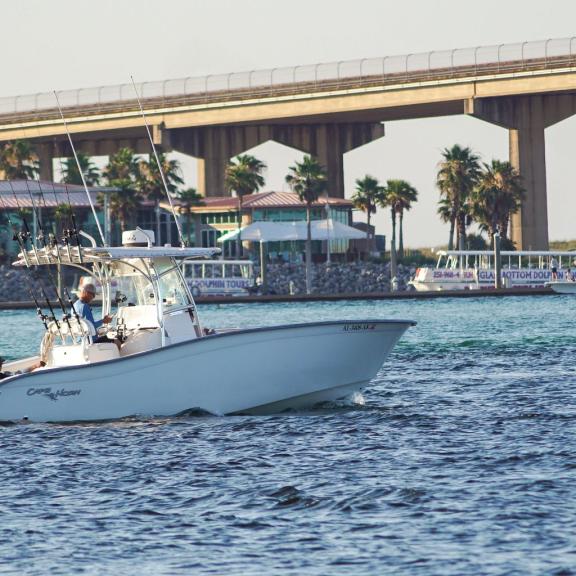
(264, 231)
(327, 229)
(333, 230)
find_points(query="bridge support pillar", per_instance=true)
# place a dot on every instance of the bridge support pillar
(45, 156)
(526, 118)
(215, 146)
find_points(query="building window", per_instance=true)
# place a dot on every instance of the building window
(209, 238)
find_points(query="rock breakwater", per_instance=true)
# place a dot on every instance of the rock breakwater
(16, 284)
(349, 278)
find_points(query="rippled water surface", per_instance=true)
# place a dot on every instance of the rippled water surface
(461, 461)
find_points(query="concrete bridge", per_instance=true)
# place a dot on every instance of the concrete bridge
(323, 109)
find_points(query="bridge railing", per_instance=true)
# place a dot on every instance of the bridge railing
(420, 67)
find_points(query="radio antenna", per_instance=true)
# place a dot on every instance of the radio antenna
(182, 243)
(80, 170)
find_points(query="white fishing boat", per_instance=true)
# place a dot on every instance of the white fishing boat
(474, 270)
(160, 360)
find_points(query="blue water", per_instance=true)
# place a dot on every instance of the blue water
(461, 461)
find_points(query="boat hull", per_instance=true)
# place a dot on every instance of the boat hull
(255, 370)
(563, 287)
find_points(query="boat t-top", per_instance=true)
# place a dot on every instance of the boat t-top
(156, 359)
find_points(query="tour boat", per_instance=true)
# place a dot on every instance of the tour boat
(474, 270)
(160, 360)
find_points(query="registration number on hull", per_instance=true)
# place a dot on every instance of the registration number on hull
(358, 327)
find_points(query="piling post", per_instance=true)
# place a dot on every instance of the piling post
(263, 271)
(497, 262)
(393, 267)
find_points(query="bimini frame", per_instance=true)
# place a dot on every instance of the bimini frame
(140, 259)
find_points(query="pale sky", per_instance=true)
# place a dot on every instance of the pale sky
(67, 44)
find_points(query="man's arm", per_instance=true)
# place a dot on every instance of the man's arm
(84, 311)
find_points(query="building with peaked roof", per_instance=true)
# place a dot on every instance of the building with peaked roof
(49, 203)
(40, 203)
(219, 214)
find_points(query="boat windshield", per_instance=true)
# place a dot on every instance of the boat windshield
(133, 288)
(170, 285)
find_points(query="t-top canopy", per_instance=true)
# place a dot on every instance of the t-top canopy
(71, 255)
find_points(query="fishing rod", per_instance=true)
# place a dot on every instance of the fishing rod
(42, 238)
(53, 242)
(53, 317)
(50, 241)
(53, 237)
(18, 235)
(66, 293)
(160, 169)
(68, 232)
(18, 238)
(39, 312)
(27, 236)
(74, 232)
(80, 170)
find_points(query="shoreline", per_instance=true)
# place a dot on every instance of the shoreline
(7, 305)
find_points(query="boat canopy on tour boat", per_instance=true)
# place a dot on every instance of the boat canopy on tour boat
(474, 269)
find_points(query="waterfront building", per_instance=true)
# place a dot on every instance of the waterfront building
(218, 215)
(49, 202)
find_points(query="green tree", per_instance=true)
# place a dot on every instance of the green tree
(497, 196)
(121, 173)
(367, 196)
(399, 196)
(243, 177)
(308, 180)
(189, 198)
(18, 160)
(71, 175)
(458, 174)
(62, 217)
(150, 185)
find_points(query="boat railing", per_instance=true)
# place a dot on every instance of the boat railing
(511, 260)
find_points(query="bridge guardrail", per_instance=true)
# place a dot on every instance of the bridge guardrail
(423, 67)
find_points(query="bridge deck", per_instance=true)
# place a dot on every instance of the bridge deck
(278, 91)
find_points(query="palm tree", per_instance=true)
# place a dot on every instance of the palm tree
(458, 174)
(244, 177)
(497, 196)
(63, 216)
(151, 186)
(121, 173)
(71, 175)
(308, 180)
(18, 161)
(366, 198)
(445, 211)
(188, 199)
(399, 196)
